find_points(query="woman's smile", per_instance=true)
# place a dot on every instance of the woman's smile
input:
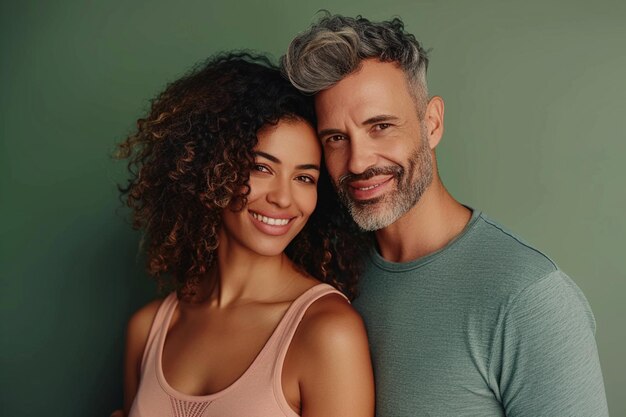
(275, 225)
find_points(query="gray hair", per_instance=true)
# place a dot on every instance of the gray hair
(335, 46)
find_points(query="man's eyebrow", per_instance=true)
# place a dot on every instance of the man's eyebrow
(326, 132)
(278, 161)
(379, 119)
(371, 121)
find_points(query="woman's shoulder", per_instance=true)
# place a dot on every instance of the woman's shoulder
(330, 323)
(329, 358)
(140, 323)
(142, 319)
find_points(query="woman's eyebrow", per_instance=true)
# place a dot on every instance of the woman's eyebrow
(278, 161)
(267, 156)
(308, 166)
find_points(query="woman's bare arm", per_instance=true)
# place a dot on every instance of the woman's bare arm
(136, 337)
(334, 361)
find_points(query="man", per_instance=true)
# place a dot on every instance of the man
(464, 318)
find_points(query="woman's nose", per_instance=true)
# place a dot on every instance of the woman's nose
(280, 194)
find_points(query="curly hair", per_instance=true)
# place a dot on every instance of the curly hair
(190, 159)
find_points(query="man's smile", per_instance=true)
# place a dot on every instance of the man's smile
(369, 189)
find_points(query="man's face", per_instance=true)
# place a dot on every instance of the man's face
(376, 150)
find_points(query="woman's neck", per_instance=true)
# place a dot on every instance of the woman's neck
(243, 276)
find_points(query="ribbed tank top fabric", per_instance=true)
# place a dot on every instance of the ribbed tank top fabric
(258, 392)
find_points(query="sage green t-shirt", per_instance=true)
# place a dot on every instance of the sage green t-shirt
(487, 326)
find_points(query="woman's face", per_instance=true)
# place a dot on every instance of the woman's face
(283, 189)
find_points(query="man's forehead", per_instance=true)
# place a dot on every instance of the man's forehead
(372, 77)
(375, 89)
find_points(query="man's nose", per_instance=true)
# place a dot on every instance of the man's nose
(362, 155)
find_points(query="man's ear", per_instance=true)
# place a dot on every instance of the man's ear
(433, 119)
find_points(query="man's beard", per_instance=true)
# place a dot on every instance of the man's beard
(380, 212)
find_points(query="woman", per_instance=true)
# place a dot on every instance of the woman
(225, 172)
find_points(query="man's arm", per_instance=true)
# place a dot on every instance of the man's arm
(548, 363)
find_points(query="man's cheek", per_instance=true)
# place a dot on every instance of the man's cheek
(334, 165)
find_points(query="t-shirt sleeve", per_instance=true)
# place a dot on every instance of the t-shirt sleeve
(548, 358)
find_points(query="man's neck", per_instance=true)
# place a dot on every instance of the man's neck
(427, 227)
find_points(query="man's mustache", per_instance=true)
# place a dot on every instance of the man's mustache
(396, 171)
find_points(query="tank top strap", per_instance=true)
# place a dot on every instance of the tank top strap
(289, 324)
(163, 314)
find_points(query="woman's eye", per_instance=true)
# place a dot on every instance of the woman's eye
(306, 179)
(260, 168)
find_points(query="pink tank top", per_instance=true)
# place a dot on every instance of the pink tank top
(258, 392)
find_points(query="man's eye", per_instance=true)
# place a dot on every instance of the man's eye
(382, 126)
(335, 138)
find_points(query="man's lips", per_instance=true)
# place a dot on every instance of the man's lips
(371, 188)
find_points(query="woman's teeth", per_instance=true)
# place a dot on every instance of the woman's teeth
(269, 220)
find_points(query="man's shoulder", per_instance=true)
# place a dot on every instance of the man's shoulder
(485, 258)
(508, 248)
(493, 252)
(512, 273)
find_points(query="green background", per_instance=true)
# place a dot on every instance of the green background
(535, 111)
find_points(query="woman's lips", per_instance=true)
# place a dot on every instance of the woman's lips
(276, 225)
